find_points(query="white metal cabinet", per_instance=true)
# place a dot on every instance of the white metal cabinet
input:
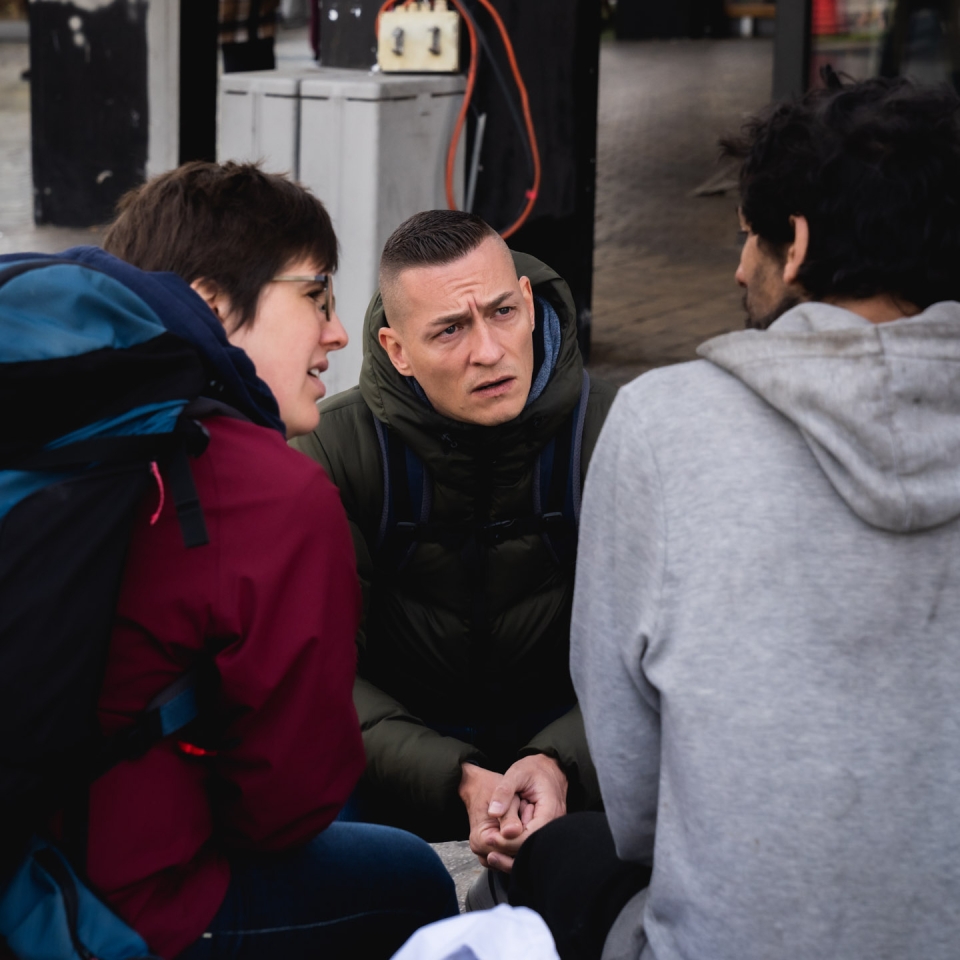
(260, 119)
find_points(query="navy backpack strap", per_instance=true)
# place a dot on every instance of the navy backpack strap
(576, 469)
(186, 500)
(170, 711)
(558, 481)
(407, 500)
(386, 511)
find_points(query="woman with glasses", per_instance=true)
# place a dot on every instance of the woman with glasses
(226, 846)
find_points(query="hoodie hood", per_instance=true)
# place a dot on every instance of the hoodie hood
(878, 404)
(450, 448)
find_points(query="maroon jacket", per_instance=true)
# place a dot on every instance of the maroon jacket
(276, 588)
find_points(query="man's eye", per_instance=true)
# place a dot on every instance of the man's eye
(504, 311)
(742, 236)
(449, 331)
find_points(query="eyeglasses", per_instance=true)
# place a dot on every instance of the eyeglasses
(325, 280)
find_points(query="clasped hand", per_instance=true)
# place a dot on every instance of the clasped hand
(505, 809)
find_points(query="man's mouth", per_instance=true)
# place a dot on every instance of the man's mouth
(493, 388)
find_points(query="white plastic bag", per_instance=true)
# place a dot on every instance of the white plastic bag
(503, 933)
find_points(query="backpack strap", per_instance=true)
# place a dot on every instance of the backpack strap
(189, 439)
(173, 708)
(193, 526)
(407, 500)
(557, 493)
(170, 711)
(576, 467)
(387, 509)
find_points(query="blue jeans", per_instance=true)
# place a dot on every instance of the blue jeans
(356, 890)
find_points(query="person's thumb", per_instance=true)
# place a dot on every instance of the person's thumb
(502, 797)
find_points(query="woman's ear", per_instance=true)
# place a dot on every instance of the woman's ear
(797, 251)
(216, 300)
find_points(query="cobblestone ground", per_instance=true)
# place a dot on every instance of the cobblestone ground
(664, 259)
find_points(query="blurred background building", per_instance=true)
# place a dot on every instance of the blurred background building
(628, 99)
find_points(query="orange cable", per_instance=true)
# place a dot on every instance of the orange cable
(528, 120)
(468, 93)
(462, 115)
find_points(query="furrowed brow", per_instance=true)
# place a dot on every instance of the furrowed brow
(443, 322)
(497, 301)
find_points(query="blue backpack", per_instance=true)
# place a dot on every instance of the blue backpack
(105, 376)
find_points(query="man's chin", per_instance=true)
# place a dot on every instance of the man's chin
(492, 413)
(762, 321)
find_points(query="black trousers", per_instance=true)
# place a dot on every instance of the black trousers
(569, 872)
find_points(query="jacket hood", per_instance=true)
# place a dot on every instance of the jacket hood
(878, 404)
(450, 447)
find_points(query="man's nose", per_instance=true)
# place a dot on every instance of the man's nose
(740, 276)
(485, 347)
(333, 335)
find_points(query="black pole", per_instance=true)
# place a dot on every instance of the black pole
(791, 48)
(88, 105)
(557, 43)
(198, 80)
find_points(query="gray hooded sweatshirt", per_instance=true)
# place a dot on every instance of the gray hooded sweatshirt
(766, 642)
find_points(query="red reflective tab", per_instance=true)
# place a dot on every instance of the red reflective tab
(192, 750)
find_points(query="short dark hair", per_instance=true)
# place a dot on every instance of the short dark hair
(228, 223)
(874, 167)
(431, 238)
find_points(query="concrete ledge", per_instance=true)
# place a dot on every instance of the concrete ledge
(14, 31)
(461, 864)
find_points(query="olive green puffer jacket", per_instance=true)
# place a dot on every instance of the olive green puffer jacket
(427, 658)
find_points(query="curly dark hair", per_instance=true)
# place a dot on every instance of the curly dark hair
(875, 169)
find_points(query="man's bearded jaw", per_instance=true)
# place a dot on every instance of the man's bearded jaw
(787, 302)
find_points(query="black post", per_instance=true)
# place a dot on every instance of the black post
(557, 43)
(88, 103)
(198, 80)
(791, 48)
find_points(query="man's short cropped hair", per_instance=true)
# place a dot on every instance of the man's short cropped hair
(231, 224)
(874, 167)
(432, 238)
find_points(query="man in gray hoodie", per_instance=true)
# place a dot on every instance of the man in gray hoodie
(766, 627)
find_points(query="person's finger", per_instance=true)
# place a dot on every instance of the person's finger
(527, 812)
(501, 862)
(503, 795)
(482, 835)
(510, 824)
(499, 844)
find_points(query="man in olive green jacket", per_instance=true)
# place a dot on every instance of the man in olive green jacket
(472, 375)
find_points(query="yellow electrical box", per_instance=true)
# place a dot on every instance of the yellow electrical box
(416, 39)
